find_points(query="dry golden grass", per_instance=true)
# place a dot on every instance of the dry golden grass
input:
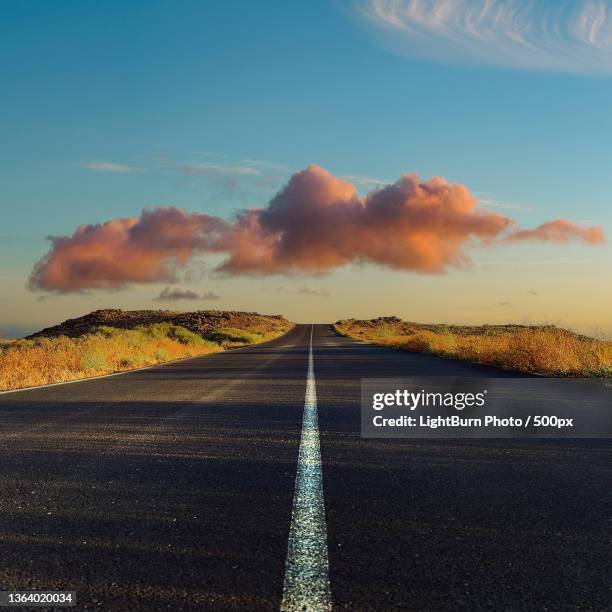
(543, 350)
(40, 361)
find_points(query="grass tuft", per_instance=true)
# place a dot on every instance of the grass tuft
(531, 349)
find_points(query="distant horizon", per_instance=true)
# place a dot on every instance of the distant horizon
(15, 333)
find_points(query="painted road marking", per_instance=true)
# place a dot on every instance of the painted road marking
(306, 584)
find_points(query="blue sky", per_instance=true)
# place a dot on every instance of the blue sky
(187, 95)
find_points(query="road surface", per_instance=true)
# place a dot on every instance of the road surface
(172, 489)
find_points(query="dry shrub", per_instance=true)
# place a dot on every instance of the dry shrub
(559, 353)
(41, 361)
(542, 350)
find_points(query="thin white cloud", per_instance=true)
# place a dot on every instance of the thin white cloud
(233, 168)
(572, 36)
(366, 181)
(207, 169)
(270, 166)
(106, 166)
(491, 203)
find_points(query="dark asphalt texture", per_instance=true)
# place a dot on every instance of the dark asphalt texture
(171, 489)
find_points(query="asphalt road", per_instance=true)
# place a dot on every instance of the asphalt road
(171, 489)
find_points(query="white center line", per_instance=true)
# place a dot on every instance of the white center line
(306, 584)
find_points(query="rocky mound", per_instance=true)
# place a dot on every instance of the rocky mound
(203, 322)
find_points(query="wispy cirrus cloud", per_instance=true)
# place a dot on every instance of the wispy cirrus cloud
(207, 169)
(229, 168)
(365, 181)
(224, 167)
(265, 165)
(489, 202)
(106, 166)
(573, 36)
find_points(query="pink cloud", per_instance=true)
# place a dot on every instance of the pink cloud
(318, 223)
(147, 249)
(560, 231)
(315, 224)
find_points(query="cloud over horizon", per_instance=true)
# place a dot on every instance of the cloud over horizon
(315, 224)
(169, 294)
(564, 36)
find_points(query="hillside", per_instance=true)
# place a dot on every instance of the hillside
(107, 341)
(209, 324)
